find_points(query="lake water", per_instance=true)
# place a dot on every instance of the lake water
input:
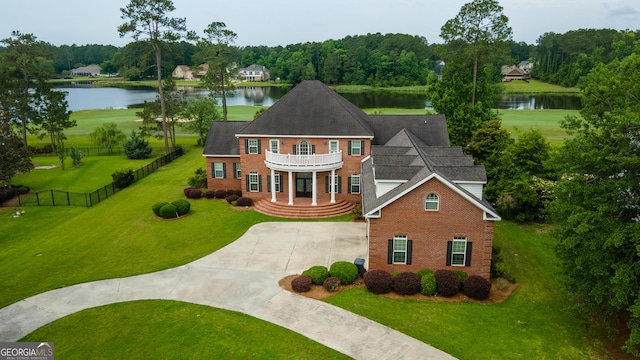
(85, 97)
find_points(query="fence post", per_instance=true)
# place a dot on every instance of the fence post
(53, 199)
(68, 200)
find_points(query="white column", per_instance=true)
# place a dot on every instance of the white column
(313, 190)
(273, 185)
(290, 188)
(332, 184)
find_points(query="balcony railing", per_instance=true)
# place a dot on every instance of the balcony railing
(314, 160)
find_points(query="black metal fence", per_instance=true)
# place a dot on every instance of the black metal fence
(95, 151)
(68, 198)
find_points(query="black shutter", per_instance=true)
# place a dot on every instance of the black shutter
(339, 184)
(449, 249)
(246, 146)
(213, 170)
(313, 149)
(259, 183)
(268, 183)
(259, 147)
(349, 151)
(246, 179)
(390, 252)
(224, 170)
(467, 261)
(281, 183)
(327, 184)
(362, 147)
(295, 149)
(409, 251)
(235, 170)
(349, 184)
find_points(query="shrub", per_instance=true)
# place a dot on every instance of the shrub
(477, 287)
(345, 271)
(199, 180)
(76, 156)
(236, 192)
(244, 201)
(448, 283)
(22, 189)
(331, 284)
(137, 147)
(501, 283)
(123, 178)
(193, 193)
(183, 206)
(424, 272)
(428, 284)
(301, 284)
(461, 275)
(210, 194)
(378, 281)
(234, 203)
(406, 283)
(220, 194)
(168, 211)
(231, 198)
(156, 207)
(318, 274)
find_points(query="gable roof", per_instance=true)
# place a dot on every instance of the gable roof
(311, 109)
(431, 129)
(221, 139)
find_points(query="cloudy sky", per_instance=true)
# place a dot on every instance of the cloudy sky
(282, 22)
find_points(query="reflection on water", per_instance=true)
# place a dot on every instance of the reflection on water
(540, 101)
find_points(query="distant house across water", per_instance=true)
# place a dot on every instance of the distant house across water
(91, 70)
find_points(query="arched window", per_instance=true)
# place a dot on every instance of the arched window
(432, 202)
(303, 148)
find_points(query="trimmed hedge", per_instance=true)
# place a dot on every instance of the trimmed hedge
(301, 284)
(244, 201)
(424, 272)
(448, 283)
(231, 198)
(183, 206)
(477, 287)
(318, 274)
(210, 194)
(345, 271)
(156, 207)
(428, 284)
(220, 194)
(168, 211)
(462, 275)
(123, 178)
(331, 284)
(378, 281)
(193, 193)
(406, 283)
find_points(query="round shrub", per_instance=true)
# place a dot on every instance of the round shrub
(448, 283)
(186, 191)
(428, 284)
(318, 274)
(156, 207)
(406, 283)
(168, 211)
(331, 284)
(378, 281)
(123, 178)
(195, 193)
(210, 194)
(424, 272)
(477, 287)
(231, 198)
(236, 192)
(345, 271)
(183, 206)
(244, 201)
(220, 194)
(301, 284)
(461, 275)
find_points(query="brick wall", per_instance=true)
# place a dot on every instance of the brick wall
(431, 230)
(228, 183)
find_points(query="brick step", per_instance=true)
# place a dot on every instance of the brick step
(303, 211)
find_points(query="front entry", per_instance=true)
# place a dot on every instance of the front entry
(304, 185)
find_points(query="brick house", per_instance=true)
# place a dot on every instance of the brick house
(314, 153)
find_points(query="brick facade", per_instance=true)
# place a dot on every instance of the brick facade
(430, 231)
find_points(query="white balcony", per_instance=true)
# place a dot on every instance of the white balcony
(313, 162)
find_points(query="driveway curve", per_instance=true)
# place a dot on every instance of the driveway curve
(243, 276)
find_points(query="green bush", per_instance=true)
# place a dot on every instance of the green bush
(428, 284)
(462, 275)
(137, 147)
(424, 272)
(123, 178)
(183, 206)
(199, 179)
(169, 211)
(345, 271)
(156, 207)
(318, 274)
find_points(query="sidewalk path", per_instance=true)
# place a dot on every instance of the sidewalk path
(243, 277)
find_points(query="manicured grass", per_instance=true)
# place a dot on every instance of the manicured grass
(88, 120)
(534, 323)
(169, 329)
(535, 86)
(52, 247)
(547, 121)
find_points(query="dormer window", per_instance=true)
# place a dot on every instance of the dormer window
(432, 202)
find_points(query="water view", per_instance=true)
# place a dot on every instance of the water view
(85, 97)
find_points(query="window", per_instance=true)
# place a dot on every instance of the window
(333, 146)
(274, 146)
(219, 170)
(254, 183)
(236, 170)
(252, 146)
(458, 251)
(303, 148)
(356, 147)
(431, 202)
(277, 182)
(337, 185)
(354, 184)
(400, 249)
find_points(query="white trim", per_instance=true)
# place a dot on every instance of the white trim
(374, 215)
(406, 248)
(468, 182)
(464, 253)
(472, 200)
(328, 136)
(277, 142)
(337, 146)
(223, 156)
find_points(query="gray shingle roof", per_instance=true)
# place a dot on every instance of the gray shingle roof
(430, 129)
(221, 139)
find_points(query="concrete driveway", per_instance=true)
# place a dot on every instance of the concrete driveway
(243, 276)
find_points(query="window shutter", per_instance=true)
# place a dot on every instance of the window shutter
(349, 184)
(349, 151)
(467, 261)
(246, 180)
(213, 170)
(259, 183)
(259, 147)
(295, 149)
(449, 249)
(268, 183)
(246, 146)
(390, 252)
(339, 184)
(361, 147)
(409, 251)
(327, 184)
(235, 170)
(224, 170)
(281, 183)
(313, 149)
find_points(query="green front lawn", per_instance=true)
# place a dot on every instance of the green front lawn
(536, 86)
(174, 330)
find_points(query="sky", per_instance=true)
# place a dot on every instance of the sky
(283, 22)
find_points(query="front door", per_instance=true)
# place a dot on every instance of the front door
(303, 185)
